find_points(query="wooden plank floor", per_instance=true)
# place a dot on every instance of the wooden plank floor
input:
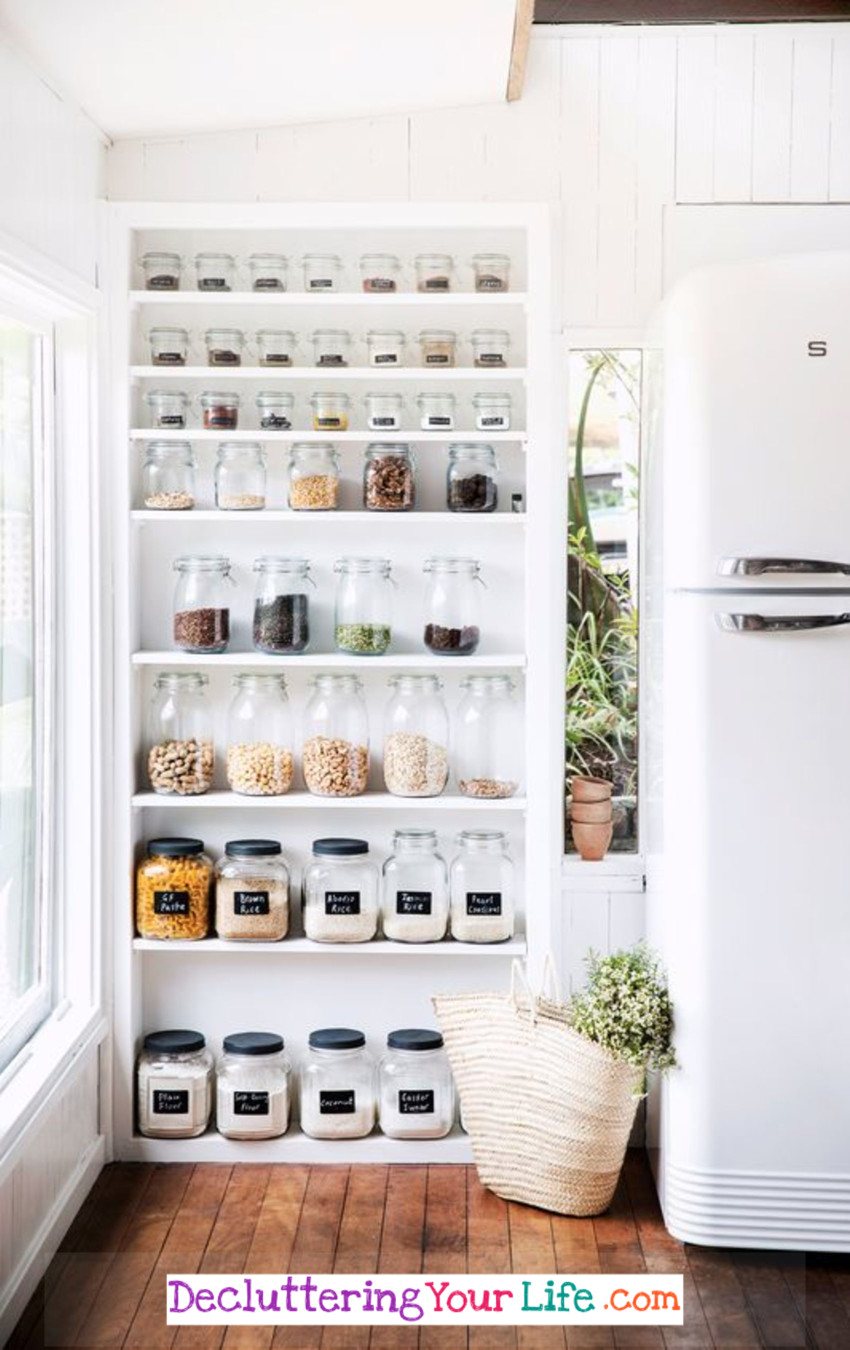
(106, 1286)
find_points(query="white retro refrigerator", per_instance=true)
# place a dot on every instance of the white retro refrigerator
(746, 703)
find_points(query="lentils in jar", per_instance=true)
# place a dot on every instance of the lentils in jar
(173, 890)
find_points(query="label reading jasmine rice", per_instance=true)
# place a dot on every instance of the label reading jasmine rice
(413, 902)
(419, 1102)
(481, 904)
(336, 1103)
(342, 902)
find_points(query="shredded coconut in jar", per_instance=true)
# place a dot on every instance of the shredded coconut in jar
(321, 1117)
(487, 787)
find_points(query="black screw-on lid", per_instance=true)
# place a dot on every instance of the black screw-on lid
(253, 1043)
(175, 848)
(412, 1038)
(174, 1042)
(252, 848)
(336, 1038)
(339, 848)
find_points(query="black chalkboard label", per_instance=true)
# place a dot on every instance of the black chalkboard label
(169, 359)
(213, 284)
(267, 284)
(413, 902)
(166, 1103)
(491, 359)
(250, 902)
(384, 422)
(321, 283)
(437, 284)
(336, 1103)
(172, 420)
(331, 359)
(171, 902)
(164, 282)
(386, 359)
(250, 1103)
(496, 421)
(418, 1102)
(480, 904)
(342, 902)
(439, 422)
(436, 359)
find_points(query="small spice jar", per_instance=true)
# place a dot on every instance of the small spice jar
(174, 1082)
(220, 411)
(260, 762)
(338, 1090)
(274, 410)
(202, 603)
(472, 478)
(416, 737)
(335, 754)
(322, 271)
(268, 271)
(161, 270)
(224, 346)
(439, 347)
(240, 476)
(173, 890)
(331, 347)
(384, 412)
(275, 347)
(416, 1093)
(436, 411)
(341, 892)
(168, 476)
(167, 409)
(385, 347)
(169, 346)
(330, 411)
(415, 889)
(282, 606)
(490, 347)
(313, 477)
(434, 271)
(363, 619)
(488, 738)
(451, 606)
(252, 892)
(389, 479)
(379, 272)
(492, 412)
(214, 271)
(181, 758)
(492, 271)
(253, 1086)
(481, 886)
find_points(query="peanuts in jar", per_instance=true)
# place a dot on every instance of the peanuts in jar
(181, 759)
(174, 890)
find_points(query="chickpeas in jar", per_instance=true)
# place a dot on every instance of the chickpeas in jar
(173, 890)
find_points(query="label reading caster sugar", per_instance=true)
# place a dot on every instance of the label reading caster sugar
(171, 902)
(483, 904)
(416, 1102)
(250, 902)
(413, 902)
(250, 1103)
(336, 1103)
(170, 1103)
(342, 902)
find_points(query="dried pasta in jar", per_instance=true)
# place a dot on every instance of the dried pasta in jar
(173, 889)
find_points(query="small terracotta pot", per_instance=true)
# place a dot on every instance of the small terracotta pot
(590, 790)
(591, 813)
(592, 840)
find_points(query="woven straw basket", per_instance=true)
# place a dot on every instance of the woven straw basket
(548, 1113)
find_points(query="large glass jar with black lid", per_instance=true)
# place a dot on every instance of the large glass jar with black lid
(389, 477)
(452, 606)
(363, 617)
(415, 889)
(335, 753)
(174, 1080)
(260, 741)
(338, 1085)
(482, 888)
(416, 737)
(488, 738)
(472, 478)
(181, 759)
(168, 476)
(341, 901)
(173, 890)
(282, 605)
(253, 1086)
(416, 1097)
(240, 476)
(252, 892)
(202, 603)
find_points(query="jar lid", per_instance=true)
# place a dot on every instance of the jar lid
(202, 562)
(380, 449)
(277, 259)
(174, 848)
(437, 335)
(471, 450)
(253, 1043)
(273, 396)
(337, 399)
(169, 448)
(156, 253)
(285, 333)
(481, 400)
(394, 334)
(226, 333)
(336, 1038)
(491, 257)
(339, 848)
(168, 329)
(153, 395)
(449, 564)
(252, 848)
(212, 400)
(424, 399)
(491, 335)
(323, 257)
(426, 258)
(413, 1038)
(175, 1042)
(214, 257)
(271, 563)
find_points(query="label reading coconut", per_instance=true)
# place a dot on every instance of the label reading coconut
(171, 902)
(413, 902)
(336, 1103)
(250, 902)
(170, 1103)
(250, 1103)
(419, 1102)
(482, 904)
(342, 902)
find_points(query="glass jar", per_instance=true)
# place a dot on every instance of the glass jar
(181, 759)
(415, 889)
(472, 478)
(335, 755)
(220, 411)
(173, 890)
(322, 271)
(363, 619)
(252, 892)
(240, 476)
(214, 271)
(202, 603)
(174, 1085)
(331, 347)
(224, 346)
(168, 476)
(481, 885)
(436, 411)
(434, 271)
(379, 272)
(268, 271)
(386, 347)
(253, 1086)
(274, 410)
(490, 347)
(161, 270)
(416, 1096)
(439, 346)
(384, 412)
(492, 412)
(282, 606)
(492, 271)
(330, 412)
(169, 346)
(389, 478)
(341, 892)
(275, 347)
(313, 477)
(338, 1098)
(488, 738)
(416, 737)
(260, 762)
(451, 606)
(167, 409)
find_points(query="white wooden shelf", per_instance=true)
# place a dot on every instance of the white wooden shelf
(303, 947)
(297, 1147)
(380, 519)
(418, 437)
(333, 661)
(338, 299)
(222, 375)
(305, 801)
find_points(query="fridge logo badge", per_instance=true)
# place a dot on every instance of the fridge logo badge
(817, 348)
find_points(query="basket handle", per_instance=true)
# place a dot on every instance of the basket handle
(550, 985)
(520, 985)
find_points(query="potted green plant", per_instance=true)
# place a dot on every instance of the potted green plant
(626, 1008)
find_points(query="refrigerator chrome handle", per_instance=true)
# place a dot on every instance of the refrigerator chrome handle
(789, 623)
(756, 567)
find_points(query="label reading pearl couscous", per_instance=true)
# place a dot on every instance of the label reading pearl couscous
(480, 904)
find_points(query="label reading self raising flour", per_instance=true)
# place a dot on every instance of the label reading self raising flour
(342, 902)
(336, 1103)
(250, 902)
(482, 904)
(168, 1102)
(418, 1102)
(250, 1103)
(171, 902)
(413, 902)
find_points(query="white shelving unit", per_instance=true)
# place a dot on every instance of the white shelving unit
(295, 985)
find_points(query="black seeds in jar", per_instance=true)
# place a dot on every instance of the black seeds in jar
(453, 641)
(282, 625)
(476, 492)
(275, 422)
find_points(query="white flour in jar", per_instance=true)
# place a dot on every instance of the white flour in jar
(253, 1105)
(336, 1113)
(175, 1099)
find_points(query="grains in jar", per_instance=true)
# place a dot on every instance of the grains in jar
(252, 1086)
(389, 482)
(252, 891)
(173, 890)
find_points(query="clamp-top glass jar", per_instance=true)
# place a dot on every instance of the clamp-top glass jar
(341, 892)
(174, 1085)
(338, 1097)
(252, 892)
(472, 478)
(434, 271)
(313, 477)
(330, 411)
(274, 410)
(492, 412)
(168, 476)
(490, 347)
(224, 346)
(220, 411)
(438, 346)
(488, 738)
(214, 271)
(492, 271)
(202, 603)
(451, 606)
(275, 347)
(268, 271)
(331, 347)
(389, 477)
(169, 346)
(384, 412)
(282, 606)
(335, 755)
(161, 270)
(386, 347)
(379, 272)
(436, 411)
(253, 1086)
(168, 409)
(173, 888)
(240, 476)
(415, 890)
(363, 618)
(260, 741)
(322, 271)
(416, 737)
(481, 885)
(416, 1092)
(181, 758)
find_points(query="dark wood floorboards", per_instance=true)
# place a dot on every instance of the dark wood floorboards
(106, 1287)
